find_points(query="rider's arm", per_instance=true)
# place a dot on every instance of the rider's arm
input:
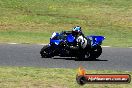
(67, 32)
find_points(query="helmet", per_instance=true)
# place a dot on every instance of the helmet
(76, 30)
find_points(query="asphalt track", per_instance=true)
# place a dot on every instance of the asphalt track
(28, 55)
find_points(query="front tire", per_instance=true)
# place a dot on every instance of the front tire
(46, 52)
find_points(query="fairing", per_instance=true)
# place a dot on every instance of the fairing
(70, 38)
(96, 40)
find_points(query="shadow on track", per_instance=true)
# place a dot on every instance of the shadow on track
(68, 58)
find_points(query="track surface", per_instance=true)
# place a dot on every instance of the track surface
(28, 55)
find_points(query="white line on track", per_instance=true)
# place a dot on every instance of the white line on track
(42, 44)
(106, 46)
(13, 43)
(46, 44)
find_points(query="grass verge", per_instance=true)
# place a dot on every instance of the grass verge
(33, 21)
(31, 77)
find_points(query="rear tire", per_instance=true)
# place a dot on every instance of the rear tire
(95, 53)
(81, 56)
(46, 52)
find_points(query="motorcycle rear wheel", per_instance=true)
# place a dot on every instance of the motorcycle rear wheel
(95, 53)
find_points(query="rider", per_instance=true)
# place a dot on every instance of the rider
(81, 40)
(79, 37)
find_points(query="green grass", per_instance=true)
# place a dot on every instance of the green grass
(31, 77)
(33, 21)
(24, 37)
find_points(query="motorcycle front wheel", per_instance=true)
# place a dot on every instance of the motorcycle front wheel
(46, 52)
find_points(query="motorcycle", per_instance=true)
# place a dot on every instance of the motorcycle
(62, 45)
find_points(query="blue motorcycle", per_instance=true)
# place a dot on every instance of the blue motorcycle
(62, 44)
